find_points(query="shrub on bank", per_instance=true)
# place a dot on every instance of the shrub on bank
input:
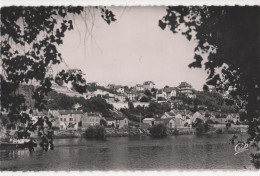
(219, 131)
(158, 131)
(175, 132)
(96, 132)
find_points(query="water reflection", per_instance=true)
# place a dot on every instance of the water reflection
(13, 154)
(135, 153)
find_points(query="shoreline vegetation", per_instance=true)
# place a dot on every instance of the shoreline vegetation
(130, 132)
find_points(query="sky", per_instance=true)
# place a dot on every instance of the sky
(131, 50)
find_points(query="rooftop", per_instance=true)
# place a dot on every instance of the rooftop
(184, 85)
(66, 112)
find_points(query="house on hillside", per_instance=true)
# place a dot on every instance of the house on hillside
(90, 119)
(120, 98)
(160, 94)
(120, 120)
(139, 88)
(186, 89)
(168, 115)
(120, 90)
(149, 121)
(148, 85)
(131, 95)
(197, 115)
(110, 98)
(179, 121)
(171, 92)
(68, 119)
(167, 93)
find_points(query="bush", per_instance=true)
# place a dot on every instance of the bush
(219, 131)
(144, 99)
(202, 128)
(158, 131)
(97, 132)
(175, 132)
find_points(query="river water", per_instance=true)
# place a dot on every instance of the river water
(122, 153)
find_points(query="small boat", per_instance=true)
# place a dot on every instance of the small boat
(16, 144)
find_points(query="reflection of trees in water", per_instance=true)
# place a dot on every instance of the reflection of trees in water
(13, 154)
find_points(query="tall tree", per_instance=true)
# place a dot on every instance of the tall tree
(227, 47)
(29, 40)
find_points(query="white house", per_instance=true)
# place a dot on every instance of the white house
(120, 97)
(167, 93)
(139, 87)
(68, 119)
(131, 95)
(170, 92)
(148, 85)
(120, 90)
(90, 119)
(179, 122)
(197, 115)
(168, 115)
(121, 122)
(149, 121)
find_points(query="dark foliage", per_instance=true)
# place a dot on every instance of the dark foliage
(96, 132)
(230, 35)
(29, 40)
(94, 104)
(103, 123)
(153, 109)
(158, 131)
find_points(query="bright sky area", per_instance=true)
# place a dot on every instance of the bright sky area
(131, 50)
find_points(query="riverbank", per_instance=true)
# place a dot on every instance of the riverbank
(132, 131)
(126, 132)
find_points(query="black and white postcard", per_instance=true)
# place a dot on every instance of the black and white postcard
(173, 87)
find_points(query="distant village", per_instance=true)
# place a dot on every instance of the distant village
(119, 96)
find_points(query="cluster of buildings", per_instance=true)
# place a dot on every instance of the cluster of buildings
(77, 120)
(73, 120)
(117, 93)
(184, 118)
